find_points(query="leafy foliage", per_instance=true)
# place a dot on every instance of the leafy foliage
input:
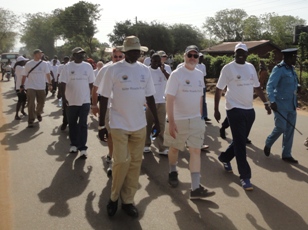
(7, 25)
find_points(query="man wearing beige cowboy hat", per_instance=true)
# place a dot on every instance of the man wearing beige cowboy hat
(127, 84)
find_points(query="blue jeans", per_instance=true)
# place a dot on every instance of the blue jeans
(282, 127)
(240, 121)
(204, 105)
(77, 117)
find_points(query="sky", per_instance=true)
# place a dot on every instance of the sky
(192, 12)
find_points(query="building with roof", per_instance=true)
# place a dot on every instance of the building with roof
(261, 48)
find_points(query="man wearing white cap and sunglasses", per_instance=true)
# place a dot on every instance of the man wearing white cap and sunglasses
(127, 84)
(241, 79)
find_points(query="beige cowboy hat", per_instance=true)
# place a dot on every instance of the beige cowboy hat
(132, 43)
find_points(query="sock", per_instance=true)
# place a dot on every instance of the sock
(172, 168)
(195, 180)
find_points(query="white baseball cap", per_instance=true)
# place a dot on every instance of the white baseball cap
(241, 46)
(21, 58)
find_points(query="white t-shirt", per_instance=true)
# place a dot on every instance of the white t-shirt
(60, 68)
(202, 68)
(187, 87)
(127, 85)
(160, 82)
(37, 78)
(240, 81)
(77, 77)
(167, 68)
(54, 70)
(147, 61)
(18, 76)
(101, 73)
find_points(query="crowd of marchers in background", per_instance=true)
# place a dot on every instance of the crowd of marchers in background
(146, 106)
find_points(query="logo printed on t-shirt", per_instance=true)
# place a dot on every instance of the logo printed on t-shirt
(187, 82)
(124, 77)
(73, 72)
(238, 77)
(200, 84)
(142, 78)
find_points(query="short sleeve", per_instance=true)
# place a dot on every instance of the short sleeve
(172, 85)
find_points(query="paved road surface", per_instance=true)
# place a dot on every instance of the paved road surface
(51, 189)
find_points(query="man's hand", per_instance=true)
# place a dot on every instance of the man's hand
(50, 87)
(95, 110)
(103, 134)
(217, 115)
(173, 130)
(274, 106)
(269, 111)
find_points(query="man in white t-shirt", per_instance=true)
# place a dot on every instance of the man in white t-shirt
(99, 65)
(159, 76)
(60, 104)
(77, 79)
(184, 125)
(36, 72)
(54, 69)
(147, 60)
(241, 80)
(127, 84)
(116, 56)
(164, 57)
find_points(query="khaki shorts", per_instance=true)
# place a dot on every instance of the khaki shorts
(107, 120)
(190, 133)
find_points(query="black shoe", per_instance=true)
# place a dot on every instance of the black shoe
(222, 133)
(248, 141)
(63, 126)
(173, 179)
(112, 207)
(39, 118)
(207, 120)
(200, 193)
(17, 118)
(130, 210)
(23, 113)
(290, 160)
(267, 151)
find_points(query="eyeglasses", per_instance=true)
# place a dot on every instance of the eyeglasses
(115, 56)
(193, 55)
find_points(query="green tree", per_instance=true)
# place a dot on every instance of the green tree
(7, 25)
(37, 32)
(76, 24)
(252, 29)
(153, 35)
(185, 35)
(227, 25)
(279, 29)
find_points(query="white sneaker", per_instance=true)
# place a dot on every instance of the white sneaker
(146, 149)
(83, 153)
(165, 152)
(73, 149)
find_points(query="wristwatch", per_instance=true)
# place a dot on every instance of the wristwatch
(101, 127)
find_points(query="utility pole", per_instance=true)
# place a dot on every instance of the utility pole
(136, 20)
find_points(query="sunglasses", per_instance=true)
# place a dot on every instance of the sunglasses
(115, 56)
(193, 55)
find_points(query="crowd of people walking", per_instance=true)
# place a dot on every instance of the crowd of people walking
(144, 104)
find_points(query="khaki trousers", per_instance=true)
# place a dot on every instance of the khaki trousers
(127, 157)
(161, 114)
(40, 97)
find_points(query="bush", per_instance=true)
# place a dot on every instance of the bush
(255, 60)
(219, 62)
(177, 59)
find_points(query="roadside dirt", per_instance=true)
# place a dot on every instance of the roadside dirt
(5, 208)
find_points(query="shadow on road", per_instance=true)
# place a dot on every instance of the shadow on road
(70, 181)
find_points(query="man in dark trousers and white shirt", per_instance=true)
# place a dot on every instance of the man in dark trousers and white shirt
(77, 79)
(241, 80)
